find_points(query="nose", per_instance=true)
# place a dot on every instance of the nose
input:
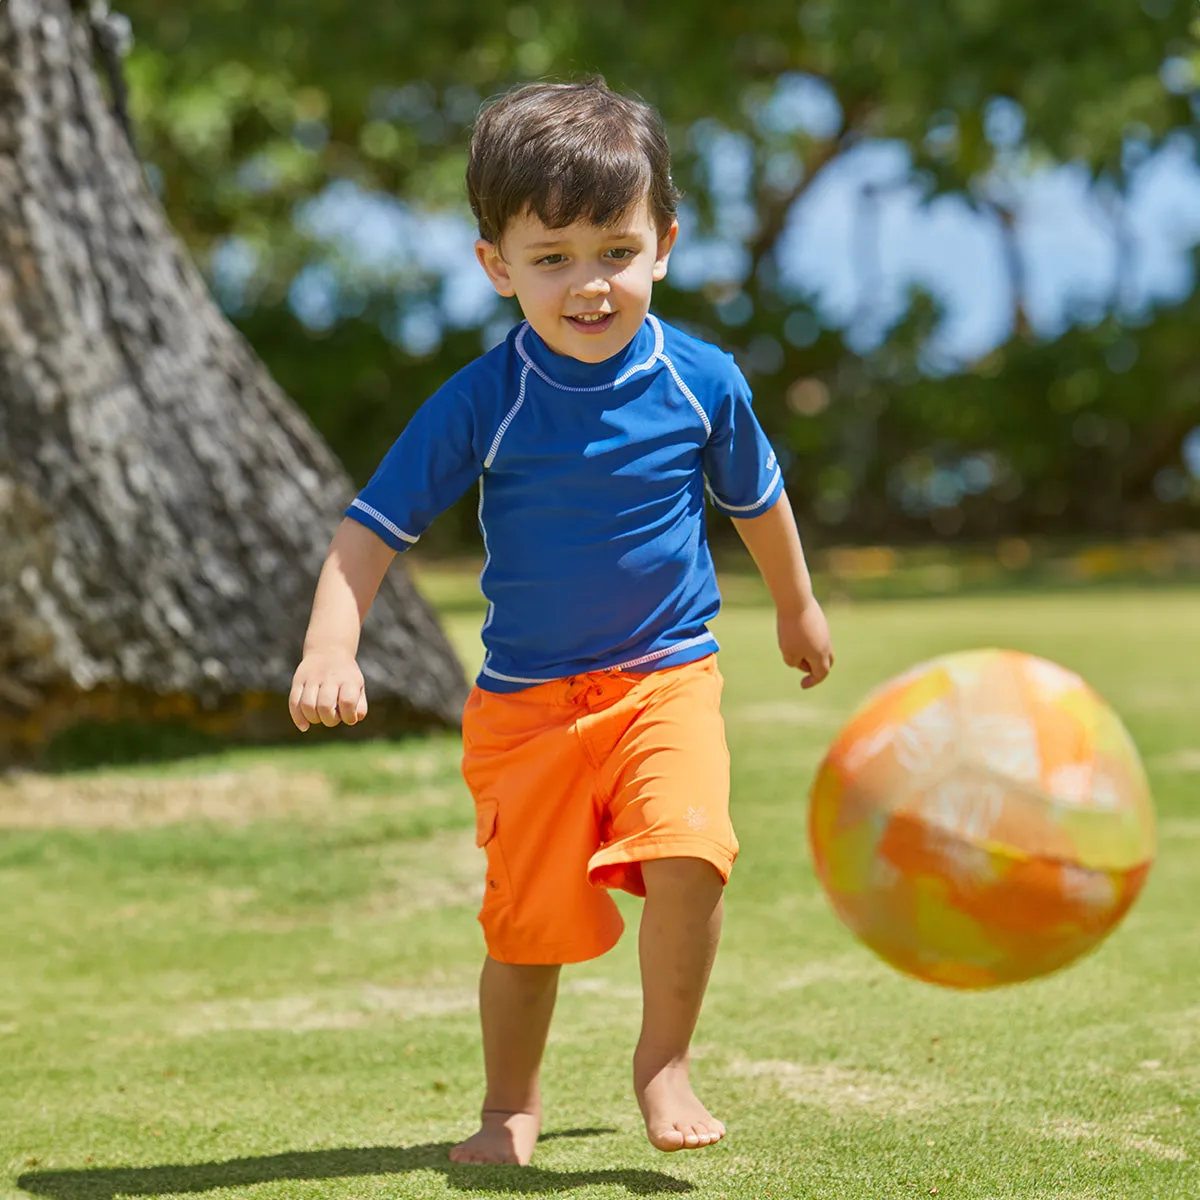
(590, 286)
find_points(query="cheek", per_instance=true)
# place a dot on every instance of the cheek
(636, 279)
(546, 285)
(549, 296)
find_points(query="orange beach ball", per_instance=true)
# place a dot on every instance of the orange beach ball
(982, 819)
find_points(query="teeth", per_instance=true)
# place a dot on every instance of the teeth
(590, 318)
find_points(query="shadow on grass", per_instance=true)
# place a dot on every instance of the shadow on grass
(105, 1183)
(88, 745)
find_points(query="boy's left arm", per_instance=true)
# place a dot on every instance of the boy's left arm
(774, 543)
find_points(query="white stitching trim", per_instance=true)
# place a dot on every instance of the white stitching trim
(518, 678)
(487, 558)
(668, 650)
(624, 377)
(633, 662)
(683, 387)
(376, 515)
(736, 508)
(508, 420)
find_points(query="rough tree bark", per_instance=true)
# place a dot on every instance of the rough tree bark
(164, 508)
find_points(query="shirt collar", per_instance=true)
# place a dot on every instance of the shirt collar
(560, 370)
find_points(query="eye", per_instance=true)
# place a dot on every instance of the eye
(622, 253)
(551, 260)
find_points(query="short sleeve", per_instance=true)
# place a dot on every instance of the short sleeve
(430, 466)
(743, 475)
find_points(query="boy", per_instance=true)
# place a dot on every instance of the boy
(593, 741)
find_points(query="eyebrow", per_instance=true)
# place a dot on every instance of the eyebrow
(620, 235)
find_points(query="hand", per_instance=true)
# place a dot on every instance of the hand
(804, 642)
(329, 688)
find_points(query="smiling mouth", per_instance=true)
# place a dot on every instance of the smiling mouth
(591, 322)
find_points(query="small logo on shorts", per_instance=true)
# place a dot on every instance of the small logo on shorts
(697, 818)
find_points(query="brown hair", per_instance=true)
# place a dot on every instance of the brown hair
(568, 151)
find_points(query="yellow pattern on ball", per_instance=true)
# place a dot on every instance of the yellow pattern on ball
(982, 819)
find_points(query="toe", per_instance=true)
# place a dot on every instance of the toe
(696, 1136)
(668, 1139)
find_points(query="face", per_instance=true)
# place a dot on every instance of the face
(585, 289)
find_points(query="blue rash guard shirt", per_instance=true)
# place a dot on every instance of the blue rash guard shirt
(591, 497)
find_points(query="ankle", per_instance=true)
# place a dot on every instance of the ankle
(502, 1105)
(650, 1060)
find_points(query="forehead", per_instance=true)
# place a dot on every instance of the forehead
(528, 228)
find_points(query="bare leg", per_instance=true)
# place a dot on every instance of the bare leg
(681, 924)
(515, 1007)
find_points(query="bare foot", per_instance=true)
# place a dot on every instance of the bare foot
(675, 1118)
(503, 1137)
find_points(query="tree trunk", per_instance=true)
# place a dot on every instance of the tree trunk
(164, 508)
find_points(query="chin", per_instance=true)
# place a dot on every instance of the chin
(594, 354)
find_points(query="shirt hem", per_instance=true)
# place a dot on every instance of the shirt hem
(379, 525)
(766, 501)
(676, 656)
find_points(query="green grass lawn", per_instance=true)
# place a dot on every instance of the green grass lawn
(253, 974)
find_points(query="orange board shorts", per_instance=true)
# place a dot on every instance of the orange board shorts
(579, 781)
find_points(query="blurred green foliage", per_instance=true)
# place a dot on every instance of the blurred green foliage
(246, 112)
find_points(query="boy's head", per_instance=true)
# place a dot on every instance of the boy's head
(571, 186)
(568, 152)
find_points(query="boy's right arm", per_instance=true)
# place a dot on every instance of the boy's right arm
(328, 687)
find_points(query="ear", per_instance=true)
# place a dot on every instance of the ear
(664, 251)
(494, 265)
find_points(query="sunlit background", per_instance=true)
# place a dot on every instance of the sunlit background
(952, 245)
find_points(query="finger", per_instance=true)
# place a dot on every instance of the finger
(327, 704)
(294, 707)
(348, 703)
(308, 702)
(816, 676)
(360, 709)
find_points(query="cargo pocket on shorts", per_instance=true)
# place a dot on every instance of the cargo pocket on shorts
(487, 814)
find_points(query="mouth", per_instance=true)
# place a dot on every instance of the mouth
(595, 322)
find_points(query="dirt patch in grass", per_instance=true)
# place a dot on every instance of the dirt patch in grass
(1181, 1032)
(837, 1089)
(785, 712)
(424, 765)
(1180, 827)
(1160, 698)
(135, 801)
(605, 988)
(346, 1009)
(1178, 762)
(836, 970)
(438, 872)
(232, 796)
(1109, 1134)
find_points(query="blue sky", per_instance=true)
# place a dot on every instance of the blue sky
(858, 266)
(1065, 237)
(1066, 241)
(858, 260)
